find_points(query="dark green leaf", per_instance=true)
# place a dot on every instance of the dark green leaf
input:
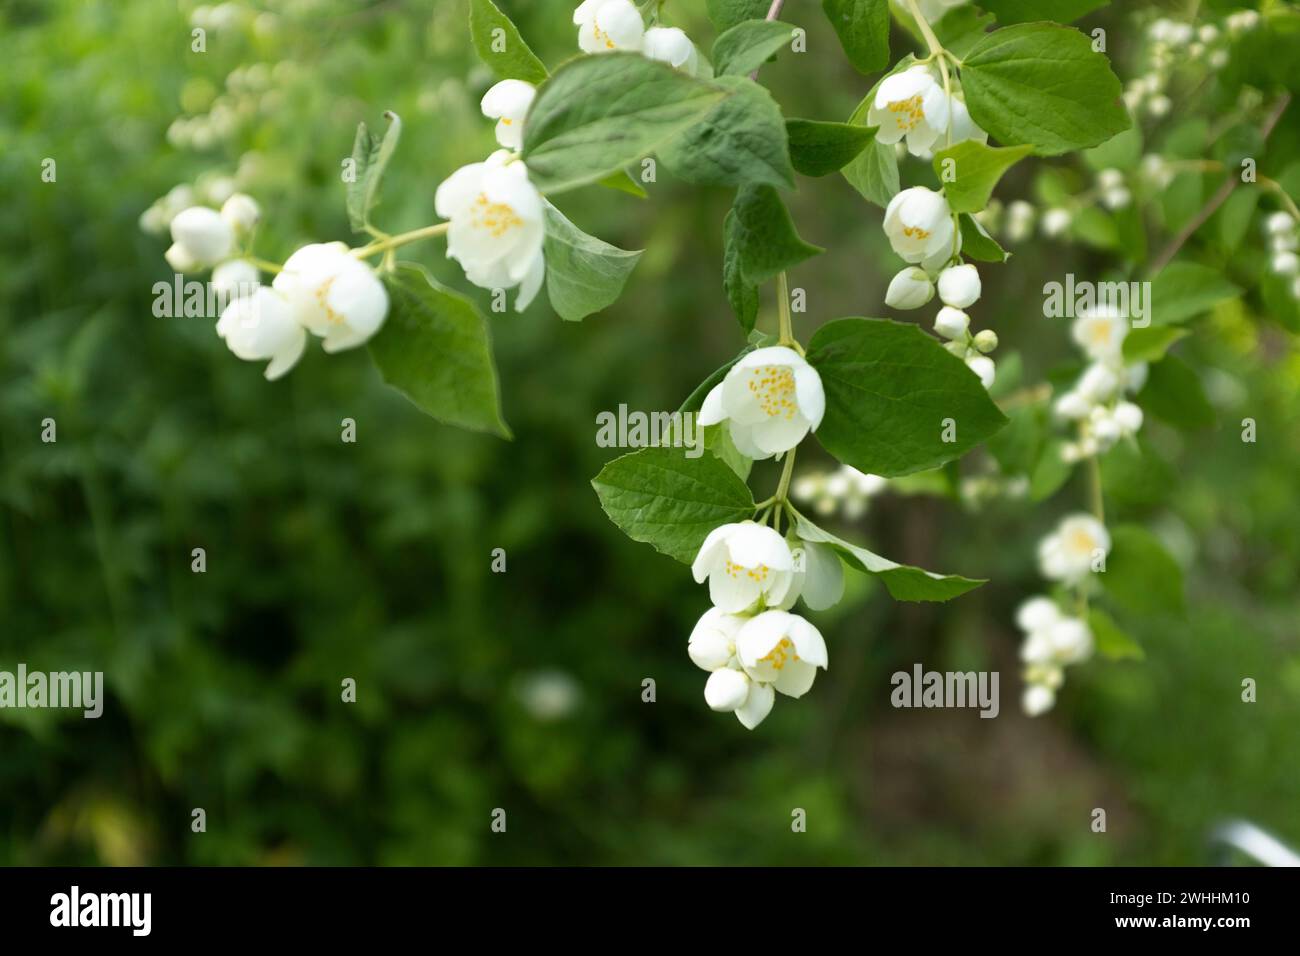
(818, 148)
(500, 46)
(748, 45)
(583, 274)
(764, 236)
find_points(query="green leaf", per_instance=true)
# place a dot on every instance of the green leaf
(764, 236)
(662, 498)
(960, 29)
(1042, 84)
(1183, 290)
(1173, 393)
(717, 439)
(1141, 577)
(370, 156)
(1151, 343)
(890, 393)
(505, 52)
(905, 583)
(726, 14)
(1233, 218)
(970, 170)
(598, 114)
(624, 183)
(434, 348)
(742, 141)
(863, 29)
(976, 243)
(748, 45)
(818, 148)
(583, 274)
(1023, 11)
(1112, 643)
(742, 295)
(874, 174)
(1050, 472)
(1123, 151)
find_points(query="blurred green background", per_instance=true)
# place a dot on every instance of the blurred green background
(371, 560)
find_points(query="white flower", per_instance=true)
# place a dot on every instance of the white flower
(1100, 333)
(608, 25)
(202, 235)
(781, 649)
(333, 294)
(1070, 553)
(952, 323)
(507, 102)
(771, 399)
(910, 104)
(713, 641)
(1072, 406)
(180, 259)
(241, 212)
(1279, 222)
(234, 278)
(262, 326)
(919, 225)
(1050, 636)
(1020, 221)
(497, 225)
(672, 46)
(1056, 221)
(1098, 383)
(818, 576)
(744, 563)
(1109, 425)
(1038, 699)
(959, 286)
(909, 289)
(1286, 263)
(982, 366)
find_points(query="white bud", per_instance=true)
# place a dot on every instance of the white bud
(1110, 179)
(179, 258)
(951, 323)
(1056, 221)
(1159, 105)
(986, 340)
(1286, 263)
(235, 277)
(241, 212)
(982, 366)
(909, 289)
(726, 689)
(959, 286)
(1279, 222)
(205, 235)
(1072, 406)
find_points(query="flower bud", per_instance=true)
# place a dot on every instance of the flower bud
(959, 286)
(1279, 222)
(204, 234)
(179, 258)
(1286, 263)
(672, 46)
(986, 340)
(234, 278)
(726, 689)
(951, 323)
(909, 289)
(982, 366)
(241, 212)
(1056, 221)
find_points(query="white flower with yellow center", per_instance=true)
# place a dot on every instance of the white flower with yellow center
(744, 563)
(770, 399)
(608, 25)
(334, 295)
(1078, 545)
(781, 649)
(497, 225)
(262, 326)
(1100, 332)
(919, 225)
(507, 102)
(913, 105)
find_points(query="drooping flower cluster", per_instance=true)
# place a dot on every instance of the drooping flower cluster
(922, 229)
(1096, 403)
(749, 642)
(1070, 555)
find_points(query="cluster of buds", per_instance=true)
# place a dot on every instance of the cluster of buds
(608, 25)
(1280, 228)
(1096, 402)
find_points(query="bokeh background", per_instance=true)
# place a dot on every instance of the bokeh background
(523, 690)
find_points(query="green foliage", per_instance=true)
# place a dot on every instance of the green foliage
(976, 169)
(598, 114)
(1042, 84)
(891, 391)
(748, 45)
(434, 347)
(514, 59)
(818, 148)
(662, 498)
(583, 274)
(763, 237)
(1184, 290)
(863, 29)
(1141, 577)
(1009, 12)
(370, 156)
(727, 14)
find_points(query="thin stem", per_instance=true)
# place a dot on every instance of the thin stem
(783, 489)
(1273, 186)
(773, 12)
(786, 328)
(264, 265)
(932, 41)
(1094, 489)
(401, 239)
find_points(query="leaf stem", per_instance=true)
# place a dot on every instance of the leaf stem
(264, 265)
(1094, 489)
(401, 239)
(786, 327)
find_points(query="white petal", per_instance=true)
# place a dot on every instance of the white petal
(795, 679)
(823, 584)
(712, 552)
(531, 282)
(756, 706)
(711, 412)
(726, 689)
(811, 395)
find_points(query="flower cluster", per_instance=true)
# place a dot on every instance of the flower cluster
(1096, 403)
(1053, 639)
(922, 229)
(749, 642)
(844, 488)
(1280, 228)
(608, 25)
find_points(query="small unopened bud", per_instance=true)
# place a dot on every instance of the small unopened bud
(952, 323)
(986, 340)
